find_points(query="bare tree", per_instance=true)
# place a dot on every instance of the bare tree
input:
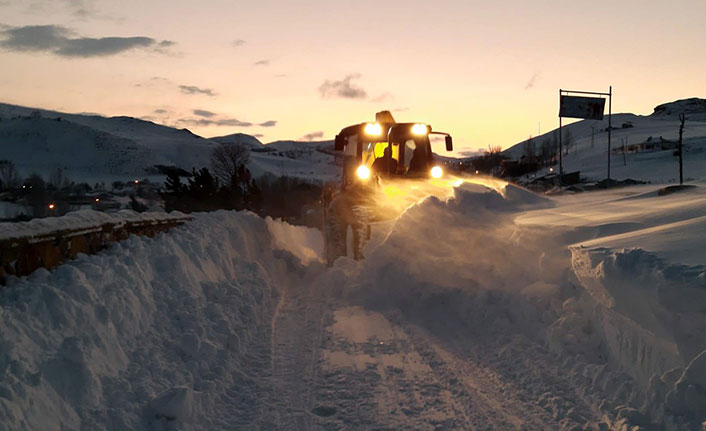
(58, 179)
(226, 159)
(494, 149)
(9, 178)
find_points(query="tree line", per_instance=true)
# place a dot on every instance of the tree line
(229, 184)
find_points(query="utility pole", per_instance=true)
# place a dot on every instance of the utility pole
(561, 161)
(610, 112)
(587, 108)
(682, 119)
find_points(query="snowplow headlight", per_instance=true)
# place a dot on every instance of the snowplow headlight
(373, 129)
(436, 172)
(420, 129)
(363, 172)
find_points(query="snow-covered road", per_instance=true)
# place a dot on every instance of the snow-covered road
(333, 365)
(481, 309)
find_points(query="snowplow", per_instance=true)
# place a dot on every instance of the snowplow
(374, 154)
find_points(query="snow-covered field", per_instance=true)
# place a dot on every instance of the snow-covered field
(487, 307)
(588, 149)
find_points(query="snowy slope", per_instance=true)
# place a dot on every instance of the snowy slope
(92, 148)
(659, 166)
(239, 139)
(314, 161)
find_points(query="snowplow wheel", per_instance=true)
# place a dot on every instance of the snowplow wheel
(334, 237)
(361, 232)
(339, 216)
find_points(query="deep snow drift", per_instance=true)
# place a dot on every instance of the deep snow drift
(485, 268)
(148, 331)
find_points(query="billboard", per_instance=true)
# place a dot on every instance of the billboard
(589, 108)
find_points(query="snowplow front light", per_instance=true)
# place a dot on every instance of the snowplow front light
(420, 129)
(436, 172)
(373, 129)
(363, 172)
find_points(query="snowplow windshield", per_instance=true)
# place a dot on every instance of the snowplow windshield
(376, 150)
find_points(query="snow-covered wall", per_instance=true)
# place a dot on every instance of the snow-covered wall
(651, 317)
(149, 330)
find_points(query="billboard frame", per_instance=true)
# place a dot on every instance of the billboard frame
(609, 95)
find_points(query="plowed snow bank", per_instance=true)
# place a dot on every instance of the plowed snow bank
(148, 331)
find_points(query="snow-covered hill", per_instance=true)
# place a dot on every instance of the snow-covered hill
(91, 148)
(649, 141)
(316, 161)
(239, 139)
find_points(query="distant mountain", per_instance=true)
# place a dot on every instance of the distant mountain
(694, 109)
(91, 148)
(649, 142)
(239, 139)
(94, 148)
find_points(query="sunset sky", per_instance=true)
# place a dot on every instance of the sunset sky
(486, 71)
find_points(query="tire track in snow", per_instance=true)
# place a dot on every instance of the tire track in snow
(296, 329)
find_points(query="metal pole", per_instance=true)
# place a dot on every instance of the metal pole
(682, 119)
(561, 161)
(610, 114)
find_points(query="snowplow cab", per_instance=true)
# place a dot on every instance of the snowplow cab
(385, 148)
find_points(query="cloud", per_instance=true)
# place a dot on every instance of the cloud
(312, 136)
(281, 75)
(204, 118)
(203, 122)
(238, 42)
(257, 135)
(160, 111)
(191, 89)
(203, 113)
(64, 42)
(471, 153)
(531, 81)
(232, 122)
(262, 63)
(81, 8)
(384, 97)
(342, 89)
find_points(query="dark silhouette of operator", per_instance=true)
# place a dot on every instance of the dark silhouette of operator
(381, 166)
(419, 160)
